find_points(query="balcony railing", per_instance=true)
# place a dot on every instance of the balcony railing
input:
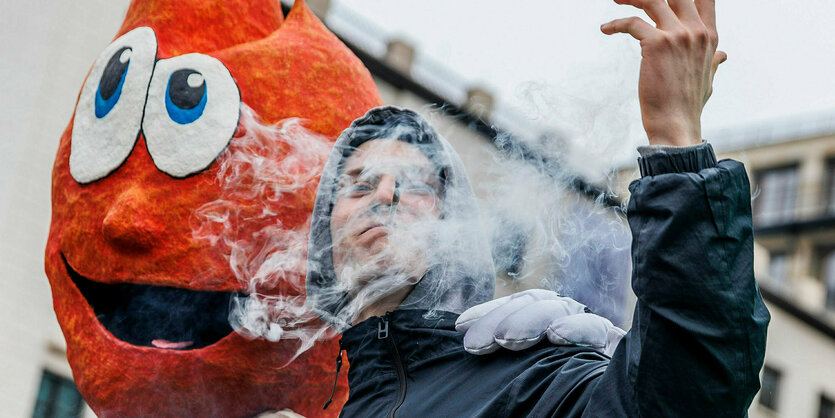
(795, 207)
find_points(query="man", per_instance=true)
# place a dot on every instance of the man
(396, 253)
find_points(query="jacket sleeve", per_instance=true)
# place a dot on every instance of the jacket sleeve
(698, 333)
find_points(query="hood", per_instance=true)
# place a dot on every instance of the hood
(460, 269)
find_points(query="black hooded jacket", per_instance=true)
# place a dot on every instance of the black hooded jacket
(696, 344)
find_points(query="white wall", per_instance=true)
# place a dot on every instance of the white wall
(46, 50)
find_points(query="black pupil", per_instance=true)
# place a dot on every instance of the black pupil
(113, 74)
(183, 95)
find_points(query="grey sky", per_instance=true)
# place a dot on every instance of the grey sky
(547, 61)
(548, 57)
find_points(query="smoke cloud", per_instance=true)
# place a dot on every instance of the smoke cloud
(542, 233)
(268, 178)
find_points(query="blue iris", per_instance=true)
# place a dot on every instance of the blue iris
(184, 103)
(110, 85)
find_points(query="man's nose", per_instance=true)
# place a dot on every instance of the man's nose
(385, 190)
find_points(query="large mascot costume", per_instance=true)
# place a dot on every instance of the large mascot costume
(142, 303)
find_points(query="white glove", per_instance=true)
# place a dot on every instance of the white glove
(521, 320)
(284, 413)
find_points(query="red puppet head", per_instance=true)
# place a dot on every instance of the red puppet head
(142, 303)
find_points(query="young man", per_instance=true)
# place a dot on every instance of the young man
(396, 252)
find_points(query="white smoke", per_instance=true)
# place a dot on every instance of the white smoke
(545, 233)
(553, 237)
(268, 179)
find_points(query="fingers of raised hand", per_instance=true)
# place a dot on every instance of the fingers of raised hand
(635, 26)
(657, 10)
(718, 58)
(686, 12)
(707, 12)
(682, 17)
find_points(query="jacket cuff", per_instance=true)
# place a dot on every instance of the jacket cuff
(657, 160)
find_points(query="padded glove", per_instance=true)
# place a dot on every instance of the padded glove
(284, 413)
(521, 320)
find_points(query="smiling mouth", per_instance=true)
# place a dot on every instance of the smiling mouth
(157, 316)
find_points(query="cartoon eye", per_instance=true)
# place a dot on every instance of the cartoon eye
(109, 111)
(191, 114)
(187, 99)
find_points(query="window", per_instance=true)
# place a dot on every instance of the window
(777, 195)
(778, 268)
(829, 195)
(57, 397)
(827, 407)
(770, 388)
(828, 277)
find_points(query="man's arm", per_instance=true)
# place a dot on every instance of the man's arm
(698, 334)
(698, 337)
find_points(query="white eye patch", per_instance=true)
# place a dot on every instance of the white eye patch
(191, 113)
(108, 116)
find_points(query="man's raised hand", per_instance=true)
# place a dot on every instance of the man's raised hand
(679, 61)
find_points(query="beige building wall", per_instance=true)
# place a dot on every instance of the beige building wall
(804, 356)
(806, 359)
(810, 155)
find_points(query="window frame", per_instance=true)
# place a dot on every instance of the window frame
(823, 253)
(782, 283)
(785, 215)
(826, 401)
(55, 386)
(828, 196)
(772, 400)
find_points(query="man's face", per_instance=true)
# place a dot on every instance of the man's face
(385, 202)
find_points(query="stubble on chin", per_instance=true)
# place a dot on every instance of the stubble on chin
(382, 263)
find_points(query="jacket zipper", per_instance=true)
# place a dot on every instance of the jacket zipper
(336, 375)
(383, 334)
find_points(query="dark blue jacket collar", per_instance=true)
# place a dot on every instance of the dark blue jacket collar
(419, 334)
